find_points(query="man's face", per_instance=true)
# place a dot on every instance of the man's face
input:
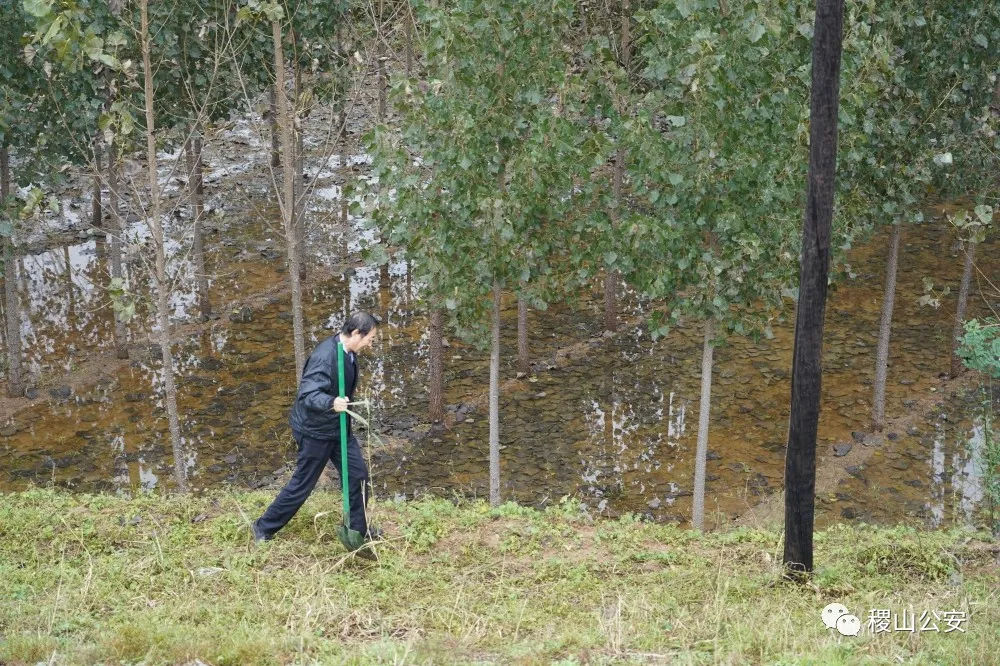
(358, 340)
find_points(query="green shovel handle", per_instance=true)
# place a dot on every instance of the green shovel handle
(343, 434)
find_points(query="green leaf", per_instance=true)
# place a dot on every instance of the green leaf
(757, 31)
(684, 7)
(677, 121)
(675, 179)
(127, 124)
(981, 40)
(53, 30)
(38, 8)
(110, 60)
(610, 257)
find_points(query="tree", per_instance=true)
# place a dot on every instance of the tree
(15, 101)
(43, 115)
(160, 275)
(807, 369)
(973, 229)
(484, 131)
(308, 28)
(714, 162)
(287, 202)
(926, 83)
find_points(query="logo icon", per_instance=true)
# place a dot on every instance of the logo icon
(836, 616)
(832, 613)
(849, 625)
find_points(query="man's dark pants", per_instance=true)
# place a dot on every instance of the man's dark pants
(313, 456)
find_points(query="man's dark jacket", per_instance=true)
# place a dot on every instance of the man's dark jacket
(312, 413)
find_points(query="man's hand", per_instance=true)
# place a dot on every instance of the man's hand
(340, 404)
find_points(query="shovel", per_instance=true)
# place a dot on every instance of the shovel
(352, 539)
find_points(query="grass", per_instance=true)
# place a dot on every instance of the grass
(98, 579)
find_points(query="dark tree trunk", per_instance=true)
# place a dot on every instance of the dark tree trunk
(522, 335)
(807, 354)
(97, 214)
(15, 381)
(436, 378)
(12, 304)
(885, 328)
(121, 337)
(196, 184)
(963, 300)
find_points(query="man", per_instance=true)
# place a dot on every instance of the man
(315, 421)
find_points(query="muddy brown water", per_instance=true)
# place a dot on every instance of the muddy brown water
(615, 428)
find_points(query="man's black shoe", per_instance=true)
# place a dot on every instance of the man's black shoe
(374, 534)
(258, 535)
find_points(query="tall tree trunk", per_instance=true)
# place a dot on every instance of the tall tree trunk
(963, 299)
(807, 354)
(436, 378)
(196, 184)
(522, 335)
(885, 328)
(97, 216)
(287, 202)
(121, 336)
(273, 122)
(495, 401)
(382, 96)
(300, 204)
(15, 383)
(160, 277)
(701, 456)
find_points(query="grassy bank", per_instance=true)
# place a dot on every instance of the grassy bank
(171, 580)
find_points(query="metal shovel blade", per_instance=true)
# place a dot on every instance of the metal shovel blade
(354, 542)
(352, 539)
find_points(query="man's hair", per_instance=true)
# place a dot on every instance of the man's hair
(363, 322)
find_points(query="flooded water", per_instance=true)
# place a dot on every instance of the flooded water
(615, 428)
(930, 474)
